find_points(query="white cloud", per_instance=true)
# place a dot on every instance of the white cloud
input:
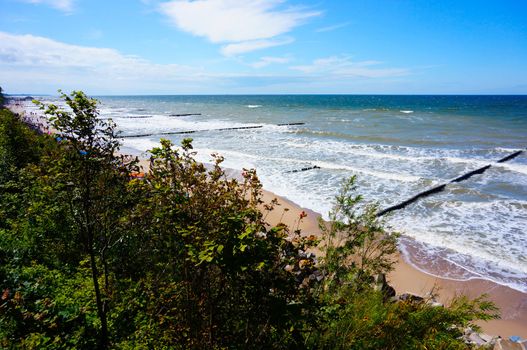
(344, 67)
(246, 24)
(234, 20)
(33, 64)
(333, 27)
(35, 60)
(268, 60)
(247, 46)
(62, 5)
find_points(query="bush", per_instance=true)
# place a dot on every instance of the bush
(217, 275)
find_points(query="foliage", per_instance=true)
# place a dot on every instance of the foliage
(95, 177)
(356, 314)
(91, 256)
(19, 146)
(356, 244)
(217, 268)
(47, 309)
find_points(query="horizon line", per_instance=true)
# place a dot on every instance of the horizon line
(278, 94)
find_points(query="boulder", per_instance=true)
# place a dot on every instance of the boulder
(380, 284)
(410, 297)
(504, 344)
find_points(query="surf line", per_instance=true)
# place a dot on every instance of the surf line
(441, 187)
(193, 131)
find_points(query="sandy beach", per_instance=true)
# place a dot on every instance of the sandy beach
(407, 279)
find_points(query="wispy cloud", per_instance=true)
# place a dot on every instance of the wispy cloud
(31, 63)
(247, 46)
(344, 67)
(268, 60)
(239, 22)
(65, 6)
(332, 27)
(34, 61)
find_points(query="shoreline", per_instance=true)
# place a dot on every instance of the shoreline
(406, 278)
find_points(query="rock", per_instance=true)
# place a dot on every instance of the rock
(434, 303)
(410, 297)
(479, 339)
(488, 338)
(318, 275)
(504, 344)
(475, 338)
(389, 291)
(380, 284)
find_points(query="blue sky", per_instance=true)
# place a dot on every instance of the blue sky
(264, 46)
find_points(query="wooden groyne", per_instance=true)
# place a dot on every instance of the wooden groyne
(303, 169)
(204, 130)
(441, 187)
(184, 114)
(510, 156)
(285, 124)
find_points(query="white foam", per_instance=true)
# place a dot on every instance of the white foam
(140, 144)
(378, 174)
(415, 155)
(518, 168)
(432, 259)
(240, 156)
(162, 123)
(486, 238)
(406, 112)
(254, 106)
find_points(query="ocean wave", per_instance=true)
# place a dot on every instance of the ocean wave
(369, 138)
(518, 168)
(427, 157)
(135, 116)
(484, 237)
(253, 106)
(449, 264)
(378, 174)
(309, 162)
(141, 144)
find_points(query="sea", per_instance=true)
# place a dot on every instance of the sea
(396, 146)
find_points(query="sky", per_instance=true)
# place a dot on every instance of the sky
(150, 47)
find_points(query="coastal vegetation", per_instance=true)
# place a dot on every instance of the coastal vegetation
(94, 254)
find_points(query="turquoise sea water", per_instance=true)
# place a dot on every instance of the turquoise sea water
(396, 145)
